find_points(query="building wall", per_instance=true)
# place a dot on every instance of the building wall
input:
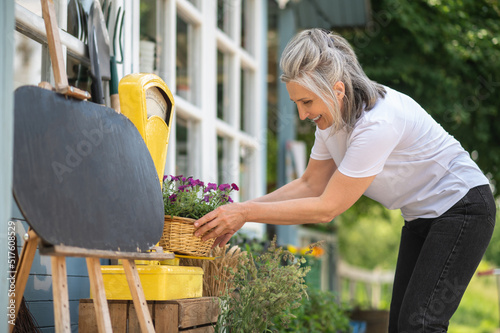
(212, 55)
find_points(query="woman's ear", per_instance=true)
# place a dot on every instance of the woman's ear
(339, 89)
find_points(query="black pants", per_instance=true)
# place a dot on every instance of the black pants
(437, 259)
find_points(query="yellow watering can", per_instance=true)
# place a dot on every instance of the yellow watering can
(146, 100)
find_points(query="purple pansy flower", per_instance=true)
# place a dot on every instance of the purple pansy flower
(235, 187)
(172, 198)
(224, 187)
(210, 187)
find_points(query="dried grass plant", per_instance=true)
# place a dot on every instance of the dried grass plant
(218, 273)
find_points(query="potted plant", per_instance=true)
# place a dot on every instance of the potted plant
(264, 288)
(185, 200)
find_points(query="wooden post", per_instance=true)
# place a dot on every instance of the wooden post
(54, 42)
(99, 295)
(60, 294)
(23, 268)
(56, 53)
(138, 297)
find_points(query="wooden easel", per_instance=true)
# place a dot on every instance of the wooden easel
(59, 253)
(60, 284)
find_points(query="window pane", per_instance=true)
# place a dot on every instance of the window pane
(33, 6)
(246, 101)
(225, 12)
(244, 17)
(245, 174)
(248, 22)
(185, 84)
(148, 47)
(222, 91)
(27, 61)
(181, 148)
(223, 160)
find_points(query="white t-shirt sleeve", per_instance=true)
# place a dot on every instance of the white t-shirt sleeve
(319, 150)
(368, 148)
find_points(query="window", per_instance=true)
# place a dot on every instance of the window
(27, 63)
(184, 62)
(148, 37)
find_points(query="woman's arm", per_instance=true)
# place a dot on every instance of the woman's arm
(338, 195)
(311, 183)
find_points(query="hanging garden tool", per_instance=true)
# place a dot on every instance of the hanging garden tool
(113, 84)
(98, 44)
(102, 39)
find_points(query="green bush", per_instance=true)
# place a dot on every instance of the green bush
(265, 286)
(318, 313)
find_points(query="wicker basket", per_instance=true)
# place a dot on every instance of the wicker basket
(178, 237)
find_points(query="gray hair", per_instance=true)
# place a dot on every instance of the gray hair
(317, 59)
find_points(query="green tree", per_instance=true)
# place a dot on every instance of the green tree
(445, 54)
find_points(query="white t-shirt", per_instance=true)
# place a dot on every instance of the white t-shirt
(420, 168)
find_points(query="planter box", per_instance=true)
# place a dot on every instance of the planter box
(197, 315)
(159, 282)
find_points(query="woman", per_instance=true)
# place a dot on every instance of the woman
(375, 141)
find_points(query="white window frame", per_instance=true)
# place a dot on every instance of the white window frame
(206, 125)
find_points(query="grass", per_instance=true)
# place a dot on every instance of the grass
(478, 311)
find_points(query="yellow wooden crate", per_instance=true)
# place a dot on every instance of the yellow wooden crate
(159, 282)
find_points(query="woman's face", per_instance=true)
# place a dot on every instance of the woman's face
(310, 105)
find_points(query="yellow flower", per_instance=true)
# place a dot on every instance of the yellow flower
(306, 251)
(292, 249)
(317, 251)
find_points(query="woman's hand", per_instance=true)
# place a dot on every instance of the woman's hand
(221, 223)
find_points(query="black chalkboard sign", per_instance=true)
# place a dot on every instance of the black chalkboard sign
(83, 176)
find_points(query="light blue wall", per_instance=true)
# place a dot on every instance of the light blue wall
(263, 106)
(6, 142)
(287, 234)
